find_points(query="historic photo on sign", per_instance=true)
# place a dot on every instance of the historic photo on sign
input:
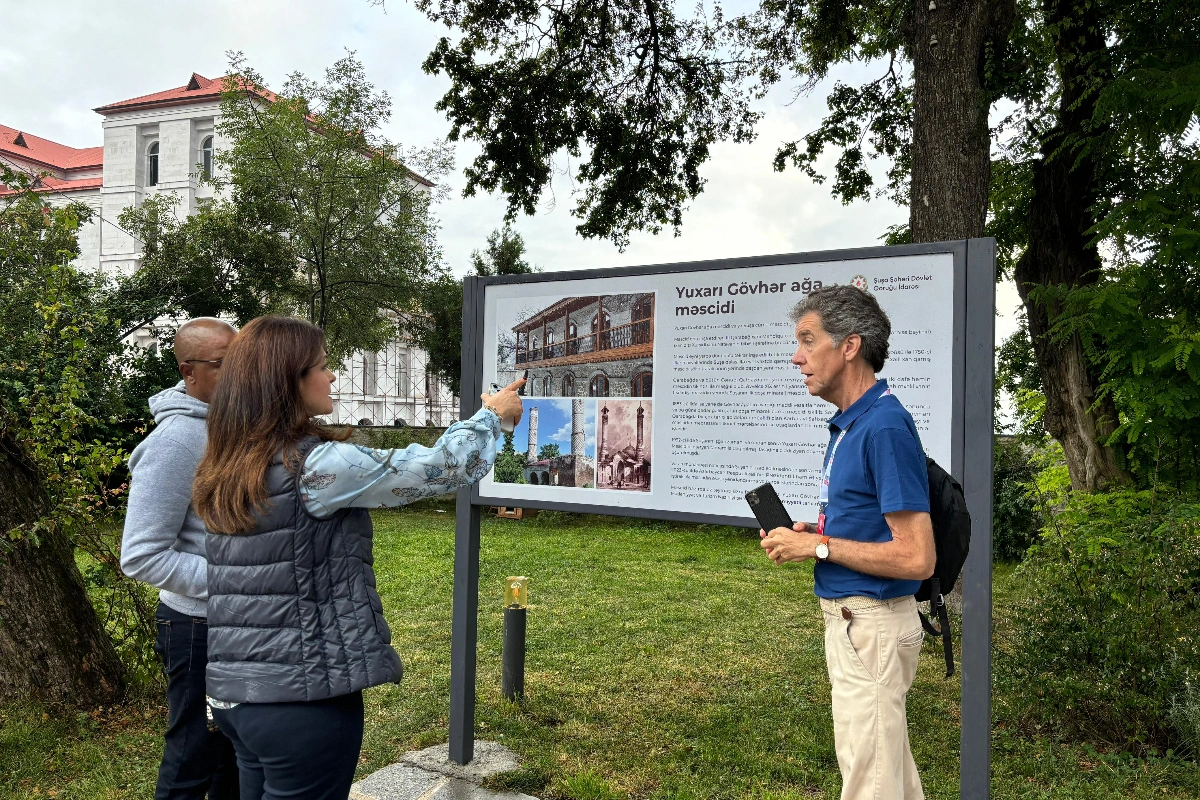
(554, 445)
(623, 446)
(593, 346)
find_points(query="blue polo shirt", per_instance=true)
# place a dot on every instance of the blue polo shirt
(878, 468)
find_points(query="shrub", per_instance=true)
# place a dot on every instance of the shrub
(1104, 646)
(1015, 518)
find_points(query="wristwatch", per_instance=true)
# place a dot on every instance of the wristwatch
(823, 549)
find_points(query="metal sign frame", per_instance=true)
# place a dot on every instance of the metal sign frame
(972, 422)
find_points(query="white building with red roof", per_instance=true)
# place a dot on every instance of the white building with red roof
(165, 142)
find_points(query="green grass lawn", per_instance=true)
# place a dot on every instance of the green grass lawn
(663, 662)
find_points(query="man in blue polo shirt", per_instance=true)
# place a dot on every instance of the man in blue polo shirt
(873, 542)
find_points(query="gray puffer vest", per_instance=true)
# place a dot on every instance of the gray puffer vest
(293, 614)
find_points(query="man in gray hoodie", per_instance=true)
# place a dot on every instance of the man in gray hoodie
(163, 545)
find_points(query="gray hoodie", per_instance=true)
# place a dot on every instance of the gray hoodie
(163, 543)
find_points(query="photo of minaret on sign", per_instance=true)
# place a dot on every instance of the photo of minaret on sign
(623, 446)
(554, 445)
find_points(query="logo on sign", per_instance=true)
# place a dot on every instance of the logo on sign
(859, 282)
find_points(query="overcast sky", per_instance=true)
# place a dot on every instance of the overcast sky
(60, 60)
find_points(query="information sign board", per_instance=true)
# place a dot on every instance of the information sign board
(671, 392)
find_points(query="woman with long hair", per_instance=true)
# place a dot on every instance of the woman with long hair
(295, 626)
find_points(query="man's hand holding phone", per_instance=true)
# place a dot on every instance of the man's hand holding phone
(799, 543)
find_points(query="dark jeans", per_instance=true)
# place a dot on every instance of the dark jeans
(296, 750)
(196, 761)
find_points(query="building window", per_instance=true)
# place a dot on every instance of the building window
(644, 308)
(642, 385)
(599, 386)
(546, 386)
(607, 323)
(370, 374)
(206, 157)
(152, 164)
(568, 386)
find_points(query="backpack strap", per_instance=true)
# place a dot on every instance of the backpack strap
(937, 605)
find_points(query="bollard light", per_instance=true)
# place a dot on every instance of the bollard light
(512, 670)
(516, 592)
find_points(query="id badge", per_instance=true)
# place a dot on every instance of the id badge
(821, 521)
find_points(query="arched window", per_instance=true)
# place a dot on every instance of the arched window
(549, 338)
(599, 386)
(568, 386)
(546, 386)
(206, 157)
(642, 385)
(644, 308)
(152, 164)
(572, 331)
(596, 320)
(533, 478)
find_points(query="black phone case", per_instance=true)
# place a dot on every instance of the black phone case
(768, 508)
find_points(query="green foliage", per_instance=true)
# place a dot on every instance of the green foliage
(312, 181)
(504, 255)
(1141, 326)
(510, 464)
(1105, 643)
(399, 438)
(68, 385)
(1019, 376)
(548, 451)
(49, 425)
(1015, 516)
(221, 260)
(633, 92)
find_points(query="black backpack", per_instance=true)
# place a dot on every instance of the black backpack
(952, 538)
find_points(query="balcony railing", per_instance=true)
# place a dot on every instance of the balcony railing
(627, 335)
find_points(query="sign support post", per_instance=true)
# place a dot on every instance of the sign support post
(465, 622)
(976, 698)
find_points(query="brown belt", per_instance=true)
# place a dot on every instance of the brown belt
(844, 605)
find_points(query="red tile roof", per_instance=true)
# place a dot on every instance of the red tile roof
(26, 146)
(51, 184)
(196, 90)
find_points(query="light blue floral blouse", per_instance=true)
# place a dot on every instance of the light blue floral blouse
(341, 475)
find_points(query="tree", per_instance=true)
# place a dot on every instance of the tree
(547, 452)
(437, 329)
(315, 182)
(53, 478)
(1091, 165)
(221, 260)
(639, 95)
(510, 464)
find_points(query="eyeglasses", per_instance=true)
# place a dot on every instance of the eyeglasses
(216, 362)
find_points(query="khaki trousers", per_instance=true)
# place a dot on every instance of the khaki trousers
(871, 651)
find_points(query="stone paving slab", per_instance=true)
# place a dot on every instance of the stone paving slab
(490, 758)
(430, 775)
(397, 782)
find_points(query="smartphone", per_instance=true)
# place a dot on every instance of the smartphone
(768, 508)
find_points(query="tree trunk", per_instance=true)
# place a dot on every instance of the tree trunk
(951, 143)
(1059, 253)
(52, 646)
